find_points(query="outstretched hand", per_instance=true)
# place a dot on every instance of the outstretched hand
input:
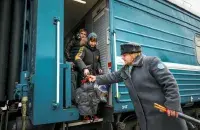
(91, 78)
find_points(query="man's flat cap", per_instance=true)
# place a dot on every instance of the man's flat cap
(130, 48)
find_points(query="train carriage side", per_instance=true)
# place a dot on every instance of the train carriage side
(163, 30)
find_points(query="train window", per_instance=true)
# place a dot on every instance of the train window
(197, 42)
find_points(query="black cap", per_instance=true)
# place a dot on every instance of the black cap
(130, 48)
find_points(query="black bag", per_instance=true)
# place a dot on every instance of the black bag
(87, 99)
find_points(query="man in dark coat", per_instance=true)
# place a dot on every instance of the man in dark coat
(88, 57)
(148, 81)
(71, 49)
(88, 62)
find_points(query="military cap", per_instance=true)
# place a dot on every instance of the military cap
(130, 48)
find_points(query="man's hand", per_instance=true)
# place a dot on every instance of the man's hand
(91, 78)
(83, 41)
(172, 113)
(86, 72)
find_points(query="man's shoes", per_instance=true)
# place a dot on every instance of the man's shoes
(86, 118)
(95, 118)
(90, 118)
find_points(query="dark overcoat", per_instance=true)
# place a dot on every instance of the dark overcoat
(150, 82)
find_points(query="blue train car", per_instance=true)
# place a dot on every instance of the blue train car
(164, 31)
(40, 86)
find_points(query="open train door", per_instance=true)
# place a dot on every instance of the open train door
(47, 103)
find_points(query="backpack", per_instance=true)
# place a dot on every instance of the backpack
(87, 99)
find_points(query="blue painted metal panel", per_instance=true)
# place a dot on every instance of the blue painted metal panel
(189, 85)
(44, 90)
(163, 30)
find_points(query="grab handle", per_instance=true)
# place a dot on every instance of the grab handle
(57, 23)
(115, 50)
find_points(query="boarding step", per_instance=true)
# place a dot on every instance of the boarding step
(83, 122)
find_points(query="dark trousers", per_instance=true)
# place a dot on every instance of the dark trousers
(74, 80)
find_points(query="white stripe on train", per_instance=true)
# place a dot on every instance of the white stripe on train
(176, 66)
